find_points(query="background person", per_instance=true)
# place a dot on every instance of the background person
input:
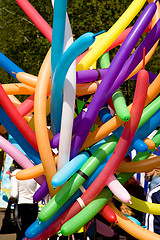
(152, 222)
(23, 191)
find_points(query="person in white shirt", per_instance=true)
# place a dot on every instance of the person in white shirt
(23, 191)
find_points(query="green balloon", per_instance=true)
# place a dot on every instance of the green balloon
(120, 106)
(104, 60)
(149, 111)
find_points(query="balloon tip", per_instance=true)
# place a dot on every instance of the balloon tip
(144, 53)
(54, 185)
(96, 34)
(130, 202)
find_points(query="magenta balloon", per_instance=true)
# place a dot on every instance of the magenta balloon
(104, 229)
(103, 92)
(27, 106)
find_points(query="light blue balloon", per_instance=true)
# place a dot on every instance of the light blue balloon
(133, 219)
(74, 50)
(9, 66)
(12, 141)
(59, 18)
(75, 164)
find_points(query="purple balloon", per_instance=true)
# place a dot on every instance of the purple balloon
(90, 75)
(41, 192)
(103, 92)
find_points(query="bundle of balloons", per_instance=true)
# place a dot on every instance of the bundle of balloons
(80, 179)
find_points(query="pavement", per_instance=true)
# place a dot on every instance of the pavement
(5, 236)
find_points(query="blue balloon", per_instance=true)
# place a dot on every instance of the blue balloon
(133, 219)
(75, 49)
(9, 66)
(33, 155)
(59, 18)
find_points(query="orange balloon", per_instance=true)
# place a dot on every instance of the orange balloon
(141, 166)
(45, 151)
(132, 228)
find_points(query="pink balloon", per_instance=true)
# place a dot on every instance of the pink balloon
(118, 190)
(18, 156)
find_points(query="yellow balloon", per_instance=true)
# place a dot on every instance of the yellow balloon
(143, 206)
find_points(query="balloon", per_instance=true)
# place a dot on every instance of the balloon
(57, 85)
(43, 142)
(38, 170)
(36, 18)
(74, 165)
(103, 134)
(117, 42)
(118, 190)
(68, 103)
(18, 88)
(59, 19)
(16, 134)
(27, 79)
(144, 206)
(142, 166)
(133, 219)
(17, 118)
(103, 229)
(120, 106)
(95, 206)
(108, 214)
(132, 228)
(9, 66)
(114, 123)
(150, 143)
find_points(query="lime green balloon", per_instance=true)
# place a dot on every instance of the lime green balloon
(104, 60)
(120, 106)
(149, 111)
